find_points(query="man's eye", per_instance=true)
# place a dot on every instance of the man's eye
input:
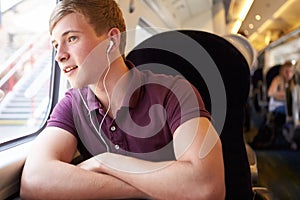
(72, 38)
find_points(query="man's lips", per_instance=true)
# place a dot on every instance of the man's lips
(67, 69)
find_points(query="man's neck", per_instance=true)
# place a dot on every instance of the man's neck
(106, 87)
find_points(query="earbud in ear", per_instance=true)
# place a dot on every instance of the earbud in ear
(111, 43)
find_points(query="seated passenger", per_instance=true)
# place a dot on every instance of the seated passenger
(120, 119)
(277, 89)
(280, 106)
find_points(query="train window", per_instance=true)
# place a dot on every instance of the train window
(25, 67)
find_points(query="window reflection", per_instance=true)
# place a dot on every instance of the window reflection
(25, 66)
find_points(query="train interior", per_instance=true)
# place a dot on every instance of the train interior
(31, 83)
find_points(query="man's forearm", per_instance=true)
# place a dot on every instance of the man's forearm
(165, 180)
(198, 172)
(60, 180)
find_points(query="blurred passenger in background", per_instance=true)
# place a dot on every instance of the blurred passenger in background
(277, 89)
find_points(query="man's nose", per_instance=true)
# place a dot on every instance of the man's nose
(61, 55)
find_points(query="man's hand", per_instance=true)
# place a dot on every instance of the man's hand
(91, 164)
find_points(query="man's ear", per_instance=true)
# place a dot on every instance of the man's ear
(114, 36)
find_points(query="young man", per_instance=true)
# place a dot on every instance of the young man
(142, 135)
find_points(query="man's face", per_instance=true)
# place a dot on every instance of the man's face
(74, 39)
(287, 73)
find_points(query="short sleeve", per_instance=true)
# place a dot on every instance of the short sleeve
(184, 103)
(62, 115)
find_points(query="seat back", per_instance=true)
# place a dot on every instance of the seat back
(271, 73)
(221, 74)
(256, 77)
(260, 100)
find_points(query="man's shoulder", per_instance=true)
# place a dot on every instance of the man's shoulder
(163, 78)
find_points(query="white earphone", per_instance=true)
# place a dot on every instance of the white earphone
(111, 43)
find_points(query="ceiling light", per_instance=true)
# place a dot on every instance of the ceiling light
(251, 26)
(257, 17)
(236, 26)
(253, 36)
(282, 9)
(239, 18)
(245, 10)
(268, 37)
(264, 26)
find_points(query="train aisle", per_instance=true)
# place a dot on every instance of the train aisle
(279, 171)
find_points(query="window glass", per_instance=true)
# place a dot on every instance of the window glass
(25, 66)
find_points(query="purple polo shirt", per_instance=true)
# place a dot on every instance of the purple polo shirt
(153, 107)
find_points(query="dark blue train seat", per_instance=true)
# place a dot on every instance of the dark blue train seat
(204, 59)
(271, 73)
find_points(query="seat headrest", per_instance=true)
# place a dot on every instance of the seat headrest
(197, 54)
(245, 47)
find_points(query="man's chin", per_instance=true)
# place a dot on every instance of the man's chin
(77, 85)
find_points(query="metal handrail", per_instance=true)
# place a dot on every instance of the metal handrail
(18, 57)
(11, 72)
(8, 4)
(294, 34)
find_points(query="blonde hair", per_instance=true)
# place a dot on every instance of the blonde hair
(287, 64)
(101, 14)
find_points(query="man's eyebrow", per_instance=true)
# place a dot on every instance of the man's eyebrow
(66, 33)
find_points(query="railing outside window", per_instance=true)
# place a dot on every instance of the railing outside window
(25, 67)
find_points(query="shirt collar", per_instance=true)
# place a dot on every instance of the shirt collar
(92, 100)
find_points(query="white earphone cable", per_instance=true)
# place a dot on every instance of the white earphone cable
(109, 104)
(108, 107)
